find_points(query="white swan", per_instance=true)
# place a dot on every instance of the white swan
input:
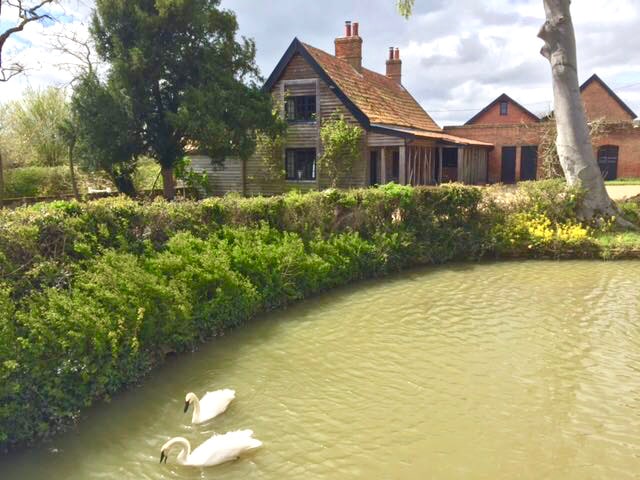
(218, 449)
(211, 405)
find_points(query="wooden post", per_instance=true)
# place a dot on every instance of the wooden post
(403, 165)
(440, 163)
(243, 176)
(460, 164)
(318, 139)
(383, 165)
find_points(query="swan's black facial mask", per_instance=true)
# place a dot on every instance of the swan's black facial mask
(163, 457)
(186, 407)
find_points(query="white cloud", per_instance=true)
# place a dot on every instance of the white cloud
(458, 54)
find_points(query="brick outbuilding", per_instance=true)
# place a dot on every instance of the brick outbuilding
(516, 133)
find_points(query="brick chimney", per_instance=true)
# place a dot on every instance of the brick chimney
(394, 65)
(349, 47)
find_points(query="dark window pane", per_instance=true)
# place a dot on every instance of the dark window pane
(301, 109)
(504, 108)
(300, 164)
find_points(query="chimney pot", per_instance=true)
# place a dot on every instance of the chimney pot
(394, 65)
(349, 47)
(347, 28)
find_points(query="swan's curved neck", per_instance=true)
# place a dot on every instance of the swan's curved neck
(196, 409)
(179, 441)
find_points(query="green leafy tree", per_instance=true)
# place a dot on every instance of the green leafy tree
(33, 122)
(405, 7)
(186, 77)
(271, 143)
(68, 132)
(342, 146)
(107, 133)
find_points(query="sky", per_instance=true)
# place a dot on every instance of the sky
(458, 55)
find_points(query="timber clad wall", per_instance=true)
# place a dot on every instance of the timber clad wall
(299, 78)
(223, 178)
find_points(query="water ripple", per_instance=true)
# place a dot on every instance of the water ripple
(516, 370)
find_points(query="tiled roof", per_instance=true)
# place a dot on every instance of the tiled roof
(380, 98)
(431, 135)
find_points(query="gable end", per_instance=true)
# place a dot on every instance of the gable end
(611, 93)
(496, 104)
(297, 47)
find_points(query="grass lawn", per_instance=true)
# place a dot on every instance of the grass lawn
(624, 181)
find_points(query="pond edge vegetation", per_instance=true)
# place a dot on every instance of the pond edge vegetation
(94, 295)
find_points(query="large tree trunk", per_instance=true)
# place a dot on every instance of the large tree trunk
(574, 142)
(169, 183)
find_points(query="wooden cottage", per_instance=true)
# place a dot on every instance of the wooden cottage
(401, 142)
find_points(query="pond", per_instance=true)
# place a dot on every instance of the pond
(511, 370)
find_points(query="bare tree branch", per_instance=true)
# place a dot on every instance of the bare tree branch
(81, 53)
(26, 15)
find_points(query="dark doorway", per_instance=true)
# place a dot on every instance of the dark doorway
(508, 165)
(374, 168)
(608, 161)
(395, 167)
(449, 164)
(529, 163)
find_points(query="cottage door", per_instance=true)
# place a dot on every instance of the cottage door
(508, 165)
(608, 161)
(529, 165)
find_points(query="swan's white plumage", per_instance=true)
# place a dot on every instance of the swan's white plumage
(216, 450)
(211, 405)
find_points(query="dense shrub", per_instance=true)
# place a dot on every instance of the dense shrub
(92, 295)
(37, 181)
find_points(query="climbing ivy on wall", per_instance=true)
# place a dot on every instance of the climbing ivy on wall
(270, 146)
(342, 146)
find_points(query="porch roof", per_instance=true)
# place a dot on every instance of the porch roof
(429, 135)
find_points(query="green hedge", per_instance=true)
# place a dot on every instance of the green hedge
(93, 295)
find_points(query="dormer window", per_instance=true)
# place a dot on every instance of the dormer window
(301, 108)
(504, 109)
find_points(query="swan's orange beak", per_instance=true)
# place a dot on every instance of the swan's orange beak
(186, 407)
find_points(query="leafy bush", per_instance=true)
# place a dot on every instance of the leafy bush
(37, 181)
(93, 295)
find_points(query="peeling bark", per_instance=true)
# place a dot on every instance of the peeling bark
(573, 141)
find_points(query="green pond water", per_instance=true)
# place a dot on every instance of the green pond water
(524, 370)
